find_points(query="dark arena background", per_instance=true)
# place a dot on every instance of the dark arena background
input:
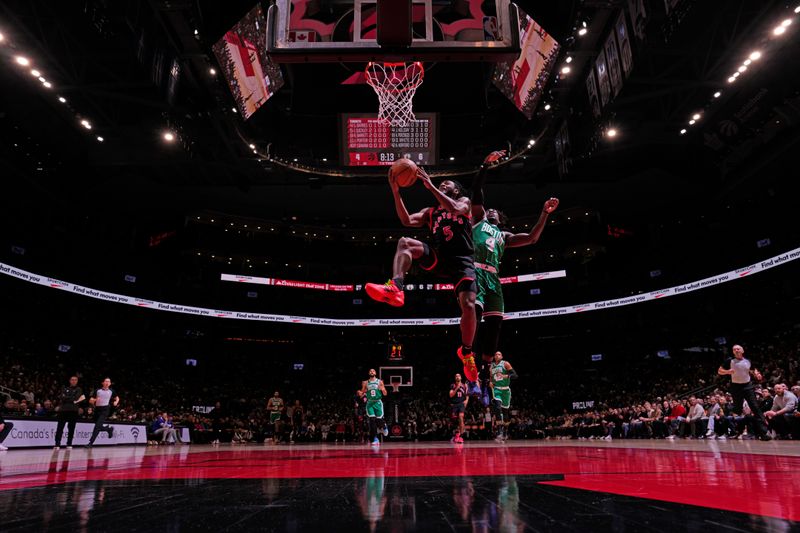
(198, 242)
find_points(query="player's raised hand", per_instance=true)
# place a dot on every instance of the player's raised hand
(550, 205)
(424, 178)
(494, 157)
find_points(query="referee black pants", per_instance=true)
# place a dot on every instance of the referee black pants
(746, 391)
(100, 415)
(66, 418)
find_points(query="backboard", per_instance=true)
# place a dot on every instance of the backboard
(316, 31)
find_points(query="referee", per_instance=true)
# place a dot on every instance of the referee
(102, 399)
(742, 389)
(67, 414)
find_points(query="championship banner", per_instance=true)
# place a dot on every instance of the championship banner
(563, 150)
(614, 68)
(705, 283)
(602, 78)
(624, 42)
(591, 91)
(30, 432)
(638, 17)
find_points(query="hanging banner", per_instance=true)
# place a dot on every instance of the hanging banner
(591, 91)
(602, 78)
(638, 17)
(624, 43)
(614, 68)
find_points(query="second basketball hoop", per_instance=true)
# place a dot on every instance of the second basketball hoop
(395, 84)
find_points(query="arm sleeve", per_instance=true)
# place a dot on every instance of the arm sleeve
(512, 373)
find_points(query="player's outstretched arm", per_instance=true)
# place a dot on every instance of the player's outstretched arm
(459, 207)
(417, 220)
(477, 199)
(515, 240)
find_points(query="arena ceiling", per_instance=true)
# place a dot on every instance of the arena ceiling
(100, 55)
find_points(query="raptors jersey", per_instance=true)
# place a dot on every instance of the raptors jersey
(452, 233)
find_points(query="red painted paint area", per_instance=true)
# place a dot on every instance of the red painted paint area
(749, 483)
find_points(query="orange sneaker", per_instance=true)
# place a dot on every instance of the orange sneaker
(470, 370)
(387, 293)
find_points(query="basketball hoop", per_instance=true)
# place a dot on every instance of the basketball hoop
(395, 85)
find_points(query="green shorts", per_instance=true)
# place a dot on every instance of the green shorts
(490, 293)
(503, 395)
(274, 416)
(375, 409)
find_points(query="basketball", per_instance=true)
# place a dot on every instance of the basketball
(404, 172)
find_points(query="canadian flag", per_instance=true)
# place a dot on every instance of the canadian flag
(302, 36)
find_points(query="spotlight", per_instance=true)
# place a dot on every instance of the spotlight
(582, 32)
(736, 74)
(85, 123)
(565, 70)
(2, 38)
(731, 79)
(747, 62)
(62, 99)
(35, 73)
(252, 146)
(100, 139)
(742, 68)
(169, 136)
(786, 22)
(569, 59)
(325, 159)
(24, 61)
(531, 142)
(452, 158)
(683, 131)
(295, 160)
(611, 133)
(41, 78)
(47, 84)
(755, 56)
(717, 94)
(691, 122)
(796, 10)
(780, 30)
(234, 110)
(547, 107)
(696, 116)
(212, 71)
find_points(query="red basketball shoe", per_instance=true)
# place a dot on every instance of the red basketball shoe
(470, 370)
(388, 293)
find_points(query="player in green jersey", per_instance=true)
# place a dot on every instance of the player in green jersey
(490, 242)
(374, 390)
(275, 407)
(500, 382)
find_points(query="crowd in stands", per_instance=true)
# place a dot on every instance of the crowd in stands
(688, 401)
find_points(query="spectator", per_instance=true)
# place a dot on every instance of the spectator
(781, 416)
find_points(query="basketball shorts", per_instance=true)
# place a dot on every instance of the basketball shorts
(375, 409)
(503, 396)
(457, 269)
(490, 293)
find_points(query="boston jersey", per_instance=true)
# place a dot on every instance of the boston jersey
(500, 376)
(452, 233)
(489, 244)
(374, 393)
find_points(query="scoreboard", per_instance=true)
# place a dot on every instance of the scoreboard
(366, 141)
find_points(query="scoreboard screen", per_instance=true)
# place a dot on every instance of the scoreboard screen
(366, 141)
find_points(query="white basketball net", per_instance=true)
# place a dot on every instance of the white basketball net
(395, 85)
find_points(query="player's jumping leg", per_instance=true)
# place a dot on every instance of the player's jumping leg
(466, 299)
(391, 292)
